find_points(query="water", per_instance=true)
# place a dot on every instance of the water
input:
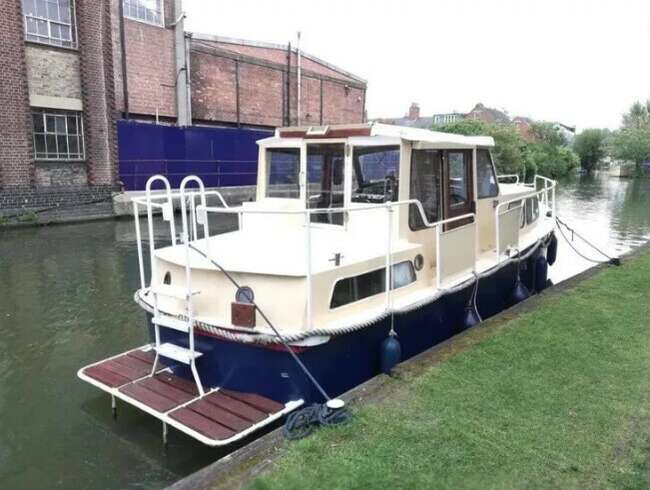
(66, 300)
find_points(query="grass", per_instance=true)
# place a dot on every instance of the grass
(559, 397)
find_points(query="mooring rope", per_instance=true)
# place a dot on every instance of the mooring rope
(610, 260)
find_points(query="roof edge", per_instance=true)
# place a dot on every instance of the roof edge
(283, 47)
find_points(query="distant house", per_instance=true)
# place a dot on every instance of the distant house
(569, 132)
(412, 119)
(524, 126)
(440, 119)
(488, 115)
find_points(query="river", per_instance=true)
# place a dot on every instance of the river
(66, 300)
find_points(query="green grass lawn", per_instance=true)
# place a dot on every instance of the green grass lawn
(558, 397)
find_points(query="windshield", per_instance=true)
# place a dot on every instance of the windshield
(283, 172)
(376, 174)
(325, 165)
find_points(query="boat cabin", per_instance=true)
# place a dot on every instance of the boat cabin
(343, 211)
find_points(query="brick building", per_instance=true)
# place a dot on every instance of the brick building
(62, 73)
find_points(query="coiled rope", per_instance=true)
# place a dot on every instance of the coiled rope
(610, 260)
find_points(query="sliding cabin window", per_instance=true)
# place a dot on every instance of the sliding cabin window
(363, 286)
(487, 180)
(325, 181)
(459, 169)
(375, 176)
(426, 166)
(283, 172)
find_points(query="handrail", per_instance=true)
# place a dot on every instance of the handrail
(549, 185)
(508, 176)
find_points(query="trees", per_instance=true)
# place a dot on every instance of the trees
(632, 141)
(590, 147)
(509, 150)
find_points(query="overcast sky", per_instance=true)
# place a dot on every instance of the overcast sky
(580, 62)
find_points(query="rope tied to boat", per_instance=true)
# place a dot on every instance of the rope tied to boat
(610, 260)
(303, 421)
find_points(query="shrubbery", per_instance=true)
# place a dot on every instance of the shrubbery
(548, 155)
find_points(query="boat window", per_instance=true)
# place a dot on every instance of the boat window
(283, 170)
(325, 165)
(458, 179)
(487, 181)
(376, 174)
(532, 210)
(368, 284)
(425, 186)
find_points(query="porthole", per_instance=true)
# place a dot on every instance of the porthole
(418, 262)
(168, 278)
(244, 295)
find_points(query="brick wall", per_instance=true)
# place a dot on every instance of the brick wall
(53, 72)
(97, 83)
(15, 127)
(151, 65)
(262, 89)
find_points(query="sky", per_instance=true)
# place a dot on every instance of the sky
(579, 62)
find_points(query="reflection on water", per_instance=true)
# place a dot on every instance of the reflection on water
(66, 300)
(613, 213)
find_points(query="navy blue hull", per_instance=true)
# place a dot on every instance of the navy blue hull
(350, 359)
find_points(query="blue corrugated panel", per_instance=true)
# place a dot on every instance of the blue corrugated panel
(220, 156)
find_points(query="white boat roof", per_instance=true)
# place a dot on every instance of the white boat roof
(373, 134)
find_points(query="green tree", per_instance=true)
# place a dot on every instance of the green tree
(547, 133)
(590, 147)
(509, 150)
(632, 141)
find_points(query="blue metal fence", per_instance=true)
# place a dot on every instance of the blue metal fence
(222, 157)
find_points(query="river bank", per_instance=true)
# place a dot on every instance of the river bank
(552, 393)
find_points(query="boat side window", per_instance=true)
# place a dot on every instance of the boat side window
(426, 166)
(487, 181)
(532, 210)
(458, 179)
(283, 171)
(325, 165)
(356, 288)
(376, 174)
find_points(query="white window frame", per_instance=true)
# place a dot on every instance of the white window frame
(161, 12)
(49, 40)
(44, 113)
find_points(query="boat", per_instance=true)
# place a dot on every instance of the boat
(366, 244)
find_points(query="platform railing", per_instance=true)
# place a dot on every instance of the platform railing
(389, 207)
(512, 178)
(545, 197)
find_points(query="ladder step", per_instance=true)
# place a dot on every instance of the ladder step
(177, 353)
(171, 322)
(172, 291)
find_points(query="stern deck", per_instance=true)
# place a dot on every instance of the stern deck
(218, 418)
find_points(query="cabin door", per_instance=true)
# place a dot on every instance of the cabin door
(458, 186)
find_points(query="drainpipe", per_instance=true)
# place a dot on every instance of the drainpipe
(299, 78)
(125, 85)
(182, 79)
(289, 85)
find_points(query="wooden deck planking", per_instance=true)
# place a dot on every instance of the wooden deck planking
(109, 378)
(126, 371)
(150, 398)
(236, 407)
(201, 424)
(134, 364)
(147, 356)
(166, 390)
(179, 383)
(219, 415)
(257, 401)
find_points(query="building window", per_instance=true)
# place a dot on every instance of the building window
(50, 22)
(58, 135)
(149, 11)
